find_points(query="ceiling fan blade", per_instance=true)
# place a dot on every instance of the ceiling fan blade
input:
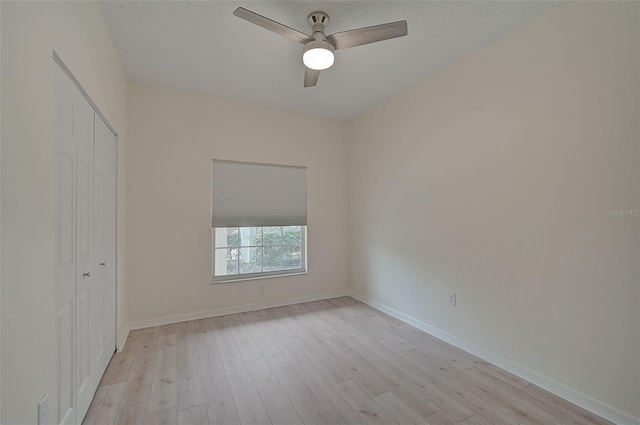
(310, 77)
(360, 36)
(272, 25)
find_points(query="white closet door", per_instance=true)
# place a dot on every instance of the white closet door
(87, 288)
(84, 250)
(104, 242)
(110, 266)
(66, 112)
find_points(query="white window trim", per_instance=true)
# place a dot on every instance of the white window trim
(262, 275)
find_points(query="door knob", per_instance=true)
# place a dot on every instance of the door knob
(103, 264)
(87, 274)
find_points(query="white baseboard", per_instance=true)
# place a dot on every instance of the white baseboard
(596, 407)
(122, 339)
(225, 310)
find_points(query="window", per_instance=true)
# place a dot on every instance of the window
(243, 252)
(259, 220)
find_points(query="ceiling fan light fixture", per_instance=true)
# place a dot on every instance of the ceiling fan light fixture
(318, 55)
(318, 52)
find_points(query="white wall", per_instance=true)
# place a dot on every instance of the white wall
(174, 135)
(30, 32)
(491, 180)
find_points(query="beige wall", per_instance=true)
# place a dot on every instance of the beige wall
(30, 32)
(174, 135)
(491, 180)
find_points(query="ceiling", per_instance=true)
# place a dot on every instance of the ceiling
(201, 47)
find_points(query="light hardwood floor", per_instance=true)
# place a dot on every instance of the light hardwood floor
(334, 361)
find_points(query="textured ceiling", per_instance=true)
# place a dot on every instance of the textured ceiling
(201, 47)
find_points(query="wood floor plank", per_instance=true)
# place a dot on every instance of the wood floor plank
(220, 405)
(301, 396)
(120, 365)
(185, 328)
(312, 324)
(105, 404)
(492, 401)
(224, 339)
(260, 335)
(322, 356)
(330, 361)
(171, 328)
(502, 375)
(132, 415)
(164, 388)
(204, 332)
(420, 401)
(415, 388)
(340, 411)
(168, 340)
(576, 414)
(324, 309)
(398, 410)
(441, 418)
(432, 346)
(360, 308)
(476, 419)
(275, 400)
(148, 341)
(437, 376)
(138, 386)
(370, 411)
(285, 344)
(250, 408)
(245, 343)
(359, 369)
(196, 415)
(190, 390)
(151, 330)
(163, 417)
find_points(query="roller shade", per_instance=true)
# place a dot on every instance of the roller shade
(248, 194)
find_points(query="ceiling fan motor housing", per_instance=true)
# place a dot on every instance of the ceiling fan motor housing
(318, 21)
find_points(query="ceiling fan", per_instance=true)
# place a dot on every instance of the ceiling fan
(317, 53)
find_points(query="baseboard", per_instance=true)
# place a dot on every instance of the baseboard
(231, 310)
(596, 407)
(122, 339)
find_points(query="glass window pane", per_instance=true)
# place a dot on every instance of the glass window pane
(226, 261)
(250, 260)
(227, 236)
(251, 236)
(291, 258)
(292, 235)
(255, 250)
(272, 258)
(272, 235)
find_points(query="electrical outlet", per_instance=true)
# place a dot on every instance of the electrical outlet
(43, 410)
(452, 299)
(263, 289)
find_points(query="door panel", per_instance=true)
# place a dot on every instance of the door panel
(64, 111)
(110, 220)
(105, 184)
(101, 226)
(87, 292)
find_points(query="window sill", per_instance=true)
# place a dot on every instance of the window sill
(245, 278)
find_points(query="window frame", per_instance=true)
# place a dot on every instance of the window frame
(260, 275)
